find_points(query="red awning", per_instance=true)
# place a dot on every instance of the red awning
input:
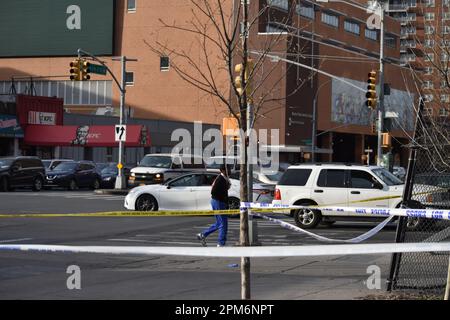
(85, 136)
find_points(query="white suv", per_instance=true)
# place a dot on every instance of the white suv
(336, 185)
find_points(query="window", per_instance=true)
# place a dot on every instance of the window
(331, 178)
(444, 56)
(429, 16)
(371, 34)
(443, 84)
(445, 29)
(362, 179)
(445, 98)
(429, 29)
(411, 16)
(428, 85)
(428, 71)
(305, 10)
(429, 56)
(351, 26)
(445, 15)
(429, 3)
(131, 5)
(282, 4)
(164, 64)
(428, 97)
(391, 41)
(188, 181)
(443, 112)
(428, 112)
(129, 78)
(330, 19)
(429, 43)
(295, 177)
(270, 28)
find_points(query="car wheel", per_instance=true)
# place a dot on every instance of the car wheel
(4, 185)
(37, 184)
(234, 203)
(96, 184)
(146, 202)
(307, 218)
(73, 185)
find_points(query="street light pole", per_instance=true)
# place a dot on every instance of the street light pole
(381, 111)
(120, 180)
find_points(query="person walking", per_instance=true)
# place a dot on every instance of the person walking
(219, 201)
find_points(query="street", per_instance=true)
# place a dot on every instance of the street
(32, 275)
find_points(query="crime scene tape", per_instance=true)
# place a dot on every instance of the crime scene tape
(413, 213)
(235, 252)
(357, 239)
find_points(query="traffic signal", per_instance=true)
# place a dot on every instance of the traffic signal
(85, 70)
(371, 93)
(238, 80)
(75, 72)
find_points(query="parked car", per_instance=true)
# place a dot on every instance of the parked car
(336, 185)
(109, 175)
(74, 175)
(102, 165)
(159, 168)
(50, 164)
(190, 191)
(266, 176)
(21, 172)
(213, 164)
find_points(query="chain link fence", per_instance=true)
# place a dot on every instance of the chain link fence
(429, 179)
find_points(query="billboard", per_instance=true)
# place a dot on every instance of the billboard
(348, 105)
(55, 27)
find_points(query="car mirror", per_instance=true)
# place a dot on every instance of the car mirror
(168, 186)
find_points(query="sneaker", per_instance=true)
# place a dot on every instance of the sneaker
(202, 239)
(220, 245)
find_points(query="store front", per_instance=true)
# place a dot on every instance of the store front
(10, 133)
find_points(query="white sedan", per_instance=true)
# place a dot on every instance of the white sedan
(187, 192)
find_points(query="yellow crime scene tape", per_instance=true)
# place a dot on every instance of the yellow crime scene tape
(182, 213)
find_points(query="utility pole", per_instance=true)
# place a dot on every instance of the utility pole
(381, 111)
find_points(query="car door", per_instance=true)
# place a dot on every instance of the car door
(91, 174)
(81, 174)
(203, 191)
(17, 174)
(331, 189)
(178, 195)
(366, 191)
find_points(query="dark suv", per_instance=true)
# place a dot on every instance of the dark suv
(21, 172)
(73, 175)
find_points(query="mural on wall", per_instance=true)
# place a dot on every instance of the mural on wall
(348, 105)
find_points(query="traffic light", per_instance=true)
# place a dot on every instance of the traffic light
(238, 80)
(75, 72)
(85, 70)
(371, 93)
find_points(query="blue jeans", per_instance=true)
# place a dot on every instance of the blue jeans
(221, 222)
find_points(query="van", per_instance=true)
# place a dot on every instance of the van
(161, 167)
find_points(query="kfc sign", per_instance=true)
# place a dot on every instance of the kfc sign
(46, 118)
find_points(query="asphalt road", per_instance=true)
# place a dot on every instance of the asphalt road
(33, 275)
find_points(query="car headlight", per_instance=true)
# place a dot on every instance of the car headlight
(107, 178)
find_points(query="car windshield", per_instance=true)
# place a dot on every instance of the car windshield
(156, 162)
(110, 169)
(66, 166)
(46, 163)
(5, 163)
(387, 177)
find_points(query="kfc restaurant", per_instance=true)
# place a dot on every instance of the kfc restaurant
(43, 133)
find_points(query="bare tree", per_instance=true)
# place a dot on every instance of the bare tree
(223, 32)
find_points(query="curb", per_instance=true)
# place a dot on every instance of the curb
(112, 191)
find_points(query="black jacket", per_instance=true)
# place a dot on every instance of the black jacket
(219, 190)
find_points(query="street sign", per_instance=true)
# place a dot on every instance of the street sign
(121, 132)
(97, 68)
(119, 166)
